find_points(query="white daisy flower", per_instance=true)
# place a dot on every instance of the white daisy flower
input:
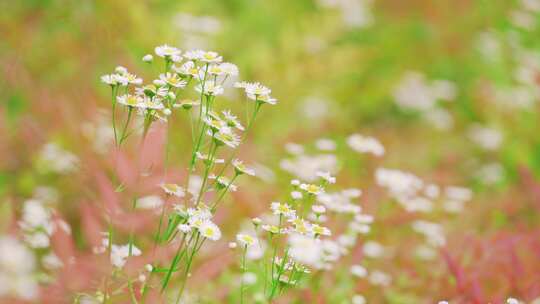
(282, 209)
(229, 69)
(131, 100)
(230, 139)
(320, 230)
(210, 231)
(187, 69)
(167, 51)
(240, 168)
(173, 80)
(210, 88)
(194, 55)
(245, 239)
(232, 121)
(211, 57)
(312, 189)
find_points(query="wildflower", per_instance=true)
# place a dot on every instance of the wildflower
(363, 144)
(206, 159)
(325, 144)
(229, 69)
(358, 271)
(210, 231)
(187, 69)
(114, 80)
(295, 182)
(148, 58)
(318, 209)
(173, 189)
(210, 88)
(215, 69)
(301, 226)
(229, 139)
(232, 245)
(240, 168)
(271, 228)
(256, 221)
(120, 253)
(222, 182)
(149, 202)
(263, 98)
(256, 89)
(148, 267)
(358, 299)
(184, 228)
(130, 100)
(210, 57)
(312, 189)
(378, 277)
(132, 78)
(167, 52)
(296, 195)
(152, 104)
(282, 209)
(173, 80)
(326, 176)
(232, 121)
(193, 55)
(319, 230)
(245, 239)
(215, 124)
(363, 218)
(249, 278)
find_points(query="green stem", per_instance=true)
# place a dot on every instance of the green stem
(243, 272)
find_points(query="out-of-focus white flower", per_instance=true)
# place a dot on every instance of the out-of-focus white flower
(432, 231)
(315, 108)
(358, 271)
(486, 138)
(58, 160)
(364, 144)
(373, 249)
(249, 278)
(16, 270)
(378, 277)
(296, 195)
(325, 144)
(425, 252)
(318, 209)
(512, 301)
(294, 148)
(325, 175)
(120, 253)
(306, 167)
(173, 189)
(358, 299)
(51, 261)
(149, 202)
(491, 173)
